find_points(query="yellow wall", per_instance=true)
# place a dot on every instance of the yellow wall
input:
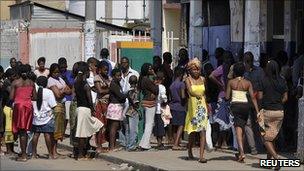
(171, 22)
(4, 9)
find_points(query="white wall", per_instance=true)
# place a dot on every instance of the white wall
(55, 45)
(135, 9)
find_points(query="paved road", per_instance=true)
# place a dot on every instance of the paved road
(9, 163)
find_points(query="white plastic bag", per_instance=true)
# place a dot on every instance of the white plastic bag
(209, 144)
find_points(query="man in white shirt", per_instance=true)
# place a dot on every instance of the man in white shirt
(13, 64)
(129, 123)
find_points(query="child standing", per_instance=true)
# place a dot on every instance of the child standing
(132, 115)
(159, 127)
(43, 121)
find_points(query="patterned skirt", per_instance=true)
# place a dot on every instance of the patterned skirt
(223, 115)
(273, 121)
(73, 124)
(100, 113)
(115, 111)
(59, 113)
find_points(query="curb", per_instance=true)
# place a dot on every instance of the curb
(116, 160)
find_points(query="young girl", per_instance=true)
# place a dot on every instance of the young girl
(87, 125)
(159, 127)
(43, 121)
(115, 108)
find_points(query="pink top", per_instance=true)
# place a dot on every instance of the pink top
(218, 73)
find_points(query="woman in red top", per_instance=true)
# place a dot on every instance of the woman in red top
(22, 93)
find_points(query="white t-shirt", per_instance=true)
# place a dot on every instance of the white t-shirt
(44, 115)
(162, 97)
(90, 81)
(45, 73)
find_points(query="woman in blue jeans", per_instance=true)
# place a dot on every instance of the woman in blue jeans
(149, 91)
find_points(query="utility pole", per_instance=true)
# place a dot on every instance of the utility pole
(196, 29)
(156, 26)
(90, 29)
(300, 145)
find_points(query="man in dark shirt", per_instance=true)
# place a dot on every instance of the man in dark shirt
(168, 72)
(255, 75)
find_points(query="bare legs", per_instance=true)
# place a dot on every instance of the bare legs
(271, 150)
(48, 141)
(82, 147)
(202, 146)
(178, 130)
(239, 137)
(23, 144)
(114, 126)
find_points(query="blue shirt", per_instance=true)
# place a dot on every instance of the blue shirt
(68, 78)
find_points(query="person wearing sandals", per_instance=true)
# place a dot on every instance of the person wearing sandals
(237, 92)
(102, 83)
(22, 93)
(197, 115)
(273, 95)
(177, 106)
(87, 124)
(115, 108)
(43, 121)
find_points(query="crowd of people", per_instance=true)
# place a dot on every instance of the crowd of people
(215, 105)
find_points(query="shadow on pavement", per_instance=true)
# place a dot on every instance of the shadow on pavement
(223, 158)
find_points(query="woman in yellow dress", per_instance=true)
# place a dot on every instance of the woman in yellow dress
(196, 119)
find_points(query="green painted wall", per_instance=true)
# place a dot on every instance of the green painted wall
(137, 57)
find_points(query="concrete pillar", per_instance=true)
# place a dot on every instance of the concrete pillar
(289, 27)
(90, 29)
(156, 26)
(236, 25)
(255, 27)
(196, 29)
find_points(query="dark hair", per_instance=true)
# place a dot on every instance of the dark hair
(62, 60)
(41, 59)
(219, 52)
(143, 72)
(263, 60)
(156, 57)
(178, 72)
(204, 55)
(228, 60)
(74, 69)
(92, 60)
(126, 58)
(32, 76)
(9, 72)
(281, 58)
(238, 69)
(115, 70)
(104, 53)
(183, 56)
(1, 69)
(83, 68)
(159, 76)
(133, 79)
(13, 59)
(42, 83)
(53, 67)
(208, 68)
(24, 70)
(102, 64)
(272, 70)
(248, 58)
(167, 56)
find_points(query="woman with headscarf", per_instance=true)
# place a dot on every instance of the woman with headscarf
(196, 119)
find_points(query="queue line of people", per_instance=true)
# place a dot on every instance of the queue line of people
(104, 101)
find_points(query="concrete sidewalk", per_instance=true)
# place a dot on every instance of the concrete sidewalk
(177, 160)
